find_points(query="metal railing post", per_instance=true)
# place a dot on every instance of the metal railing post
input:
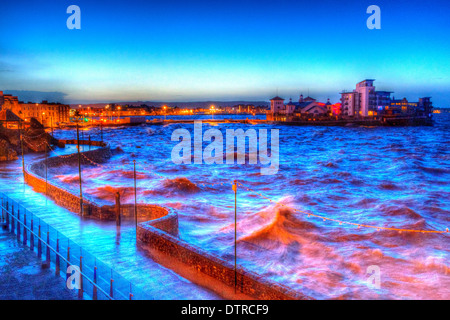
(131, 293)
(18, 225)
(57, 262)
(13, 223)
(39, 241)
(32, 236)
(80, 291)
(3, 211)
(94, 293)
(47, 253)
(7, 214)
(111, 289)
(68, 259)
(25, 233)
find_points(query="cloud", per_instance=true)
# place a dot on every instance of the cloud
(37, 96)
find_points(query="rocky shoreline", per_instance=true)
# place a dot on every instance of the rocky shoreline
(35, 139)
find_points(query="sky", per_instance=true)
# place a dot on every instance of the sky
(224, 50)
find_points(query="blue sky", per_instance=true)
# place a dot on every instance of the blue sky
(225, 50)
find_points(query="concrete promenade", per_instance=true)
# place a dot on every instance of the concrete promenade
(23, 278)
(101, 238)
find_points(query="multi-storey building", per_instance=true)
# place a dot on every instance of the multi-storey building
(48, 113)
(364, 101)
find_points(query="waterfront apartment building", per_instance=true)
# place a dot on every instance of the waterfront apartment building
(48, 113)
(363, 101)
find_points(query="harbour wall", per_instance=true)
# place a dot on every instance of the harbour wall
(35, 177)
(208, 270)
(158, 235)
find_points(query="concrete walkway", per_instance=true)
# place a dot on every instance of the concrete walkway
(21, 275)
(101, 239)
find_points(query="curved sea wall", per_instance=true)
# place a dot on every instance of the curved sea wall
(206, 269)
(158, 235)
(35, 177)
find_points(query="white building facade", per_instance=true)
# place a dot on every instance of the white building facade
(364, 100)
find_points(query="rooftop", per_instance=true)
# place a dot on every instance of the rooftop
(277, 98)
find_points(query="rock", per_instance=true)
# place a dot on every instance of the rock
(7, 153)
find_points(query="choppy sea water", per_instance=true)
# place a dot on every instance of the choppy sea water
(383, 176)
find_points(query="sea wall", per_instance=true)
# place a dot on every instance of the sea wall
(207, 270)
(35, 177)
(158, 235)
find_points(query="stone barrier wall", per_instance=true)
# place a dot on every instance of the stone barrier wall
(35, 177)
(154, 237)
(158, 234)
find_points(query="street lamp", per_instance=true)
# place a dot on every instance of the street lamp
(107, 107)
(212, 112)
(43, 114)
(165, 113)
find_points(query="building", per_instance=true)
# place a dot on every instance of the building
(422, 108)
(400, 106)
(276, 105)
(383, 101)
(361, 102)
(425, 107)
(365, 101)
(48, 113)
(8, 101)
(305, 107)
(9, 119)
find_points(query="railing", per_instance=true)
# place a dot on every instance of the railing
(91, 277)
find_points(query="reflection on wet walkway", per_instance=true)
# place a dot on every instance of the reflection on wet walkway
(102, 239)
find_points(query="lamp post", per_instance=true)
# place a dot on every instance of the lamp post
(212, 112)
(101, 128)
(21, 145)
(135, 196)
(165, 112)
(42, 119)
(78, 119)
(107, 109)
(235, 234)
